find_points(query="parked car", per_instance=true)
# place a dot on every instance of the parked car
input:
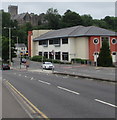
(23, 60)
(5, 66)
(47, 65)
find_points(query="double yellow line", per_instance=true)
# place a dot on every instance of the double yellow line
(27, 101)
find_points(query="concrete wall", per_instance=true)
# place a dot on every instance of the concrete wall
(34, 45)
(79, 47)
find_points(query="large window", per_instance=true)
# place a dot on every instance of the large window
(57, 55)
(43, 42)
(57, 41)
(64, 40)
(65, 56)
(51, 42)
(40, 53)
(40, 42)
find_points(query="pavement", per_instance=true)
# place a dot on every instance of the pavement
(77, 70)
(97, 73)
(10, 106)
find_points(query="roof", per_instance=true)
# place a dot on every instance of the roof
(20, 45)
(76, 31)
(19, 16)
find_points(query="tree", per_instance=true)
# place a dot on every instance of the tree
(105, 58)
(53, 18)
(5, 49)
(87, 20)
(70, 19)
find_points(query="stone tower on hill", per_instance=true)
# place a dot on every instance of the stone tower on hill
(13, 10)
(23, 17)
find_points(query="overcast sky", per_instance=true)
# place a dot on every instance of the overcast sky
(97, 10)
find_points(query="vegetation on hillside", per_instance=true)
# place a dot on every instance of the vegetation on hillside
(53, 20)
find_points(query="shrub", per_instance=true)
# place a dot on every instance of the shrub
(105, 58)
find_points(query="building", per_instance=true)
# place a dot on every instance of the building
(74, 42)
(23, 17)
(21, 48)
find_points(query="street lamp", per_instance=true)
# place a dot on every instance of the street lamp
(9, 28)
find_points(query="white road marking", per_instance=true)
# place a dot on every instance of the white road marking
(106, 103)
(19, 74)
(68, 90)
(32, 78)
(44, 82)
(25, 76)
(65, 77)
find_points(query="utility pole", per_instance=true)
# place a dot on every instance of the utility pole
(9, 28)
(9, 46)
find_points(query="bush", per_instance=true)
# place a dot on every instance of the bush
(78, 60)
(39, 59)
(105, 58)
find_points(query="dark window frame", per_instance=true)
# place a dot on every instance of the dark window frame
(64, 40)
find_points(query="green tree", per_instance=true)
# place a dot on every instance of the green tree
(87, 20)
(105, 58)
(70, 19)
(53, 18)
(5, 49)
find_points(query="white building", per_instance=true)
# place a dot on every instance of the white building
(74, 42)
(21, 48)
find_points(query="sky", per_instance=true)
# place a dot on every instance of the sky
(98, 10)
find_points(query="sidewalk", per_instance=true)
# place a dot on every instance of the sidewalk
(91, 72)
(10, 107)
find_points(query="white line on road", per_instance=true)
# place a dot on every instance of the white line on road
(105, 103)
(25, 76)
(44, 82)
(32, 78)
(68, 90)
(19, 74)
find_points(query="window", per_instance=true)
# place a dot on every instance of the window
(50, 55)
(114, 41)
(40, 42)
(50, 42)
(114, 53)
(65, 56)
(43, 42)
(40, 53)
(46, 54)
(57, 41)
(57, 55)
(96, 41)
(64, 40)
(105, 39)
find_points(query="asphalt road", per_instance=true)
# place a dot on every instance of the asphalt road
(64, 96)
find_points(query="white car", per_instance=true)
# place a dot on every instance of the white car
(47, 65)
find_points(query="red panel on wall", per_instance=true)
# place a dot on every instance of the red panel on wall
(29, 42)
(93, 47)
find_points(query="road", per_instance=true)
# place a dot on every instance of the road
(64, 96)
